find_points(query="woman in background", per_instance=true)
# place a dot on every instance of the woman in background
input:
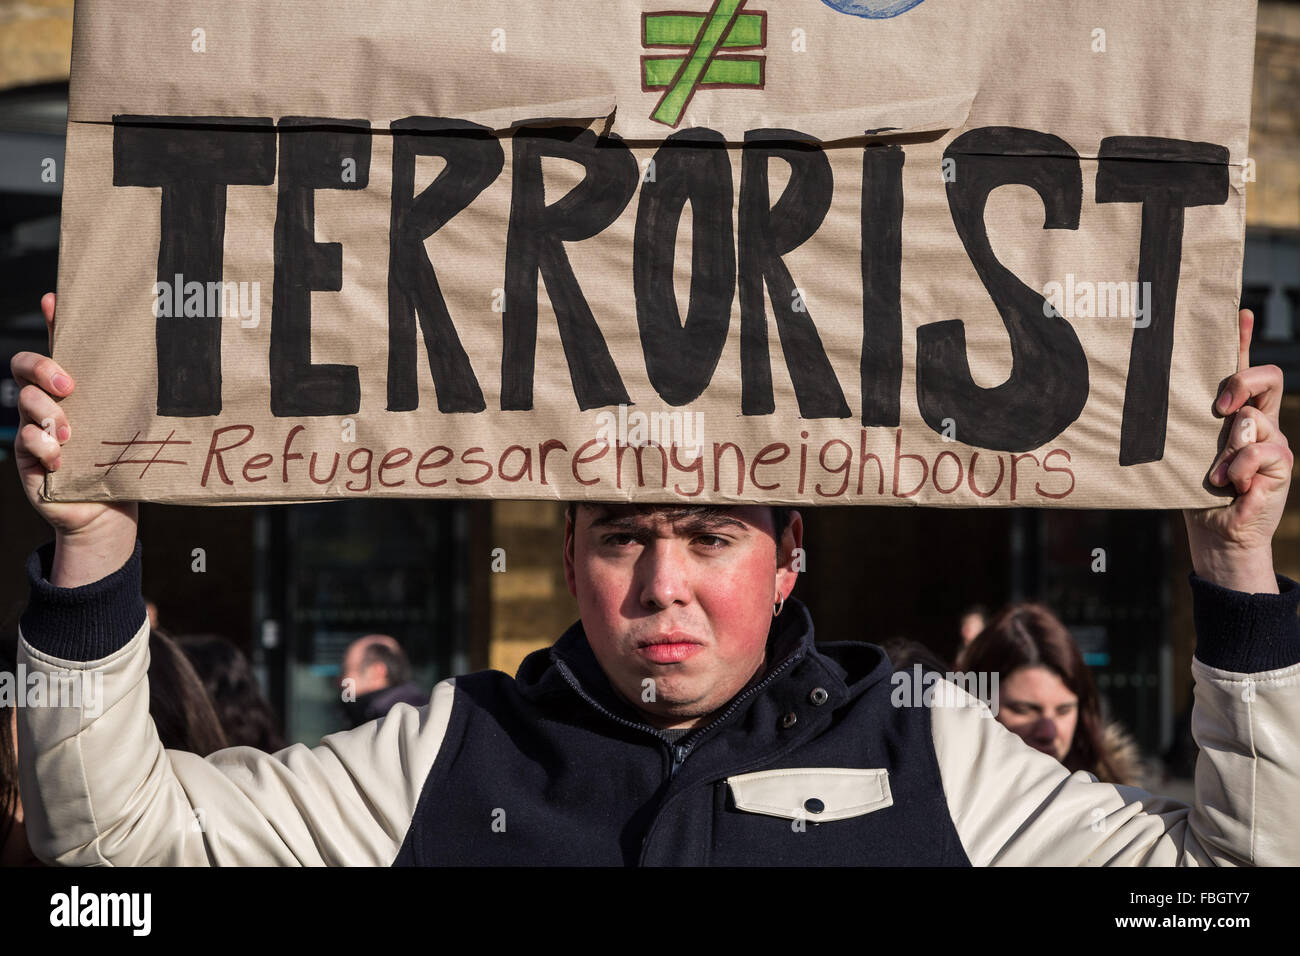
(245, 716)
(178, 702)
(1046, 694)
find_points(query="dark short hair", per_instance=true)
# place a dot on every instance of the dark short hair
(395, 662)
(781, 514)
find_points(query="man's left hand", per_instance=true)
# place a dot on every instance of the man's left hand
(1232, 546)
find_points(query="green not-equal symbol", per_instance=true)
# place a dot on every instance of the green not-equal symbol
(716, 27)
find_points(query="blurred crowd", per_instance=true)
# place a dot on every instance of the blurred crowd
(1045, 693)
(204, 697)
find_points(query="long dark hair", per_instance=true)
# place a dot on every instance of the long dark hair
(1030, 635)
(178, 702)
(244, 713)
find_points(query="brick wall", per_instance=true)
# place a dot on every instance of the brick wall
(35, 42)
(530, 602)
(1273, 200)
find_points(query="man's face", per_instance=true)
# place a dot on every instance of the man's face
(364, 679)
(971, 625)
(1036, 705)
(677, 612)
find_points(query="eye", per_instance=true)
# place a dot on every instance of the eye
(617, 540)
(719, 542)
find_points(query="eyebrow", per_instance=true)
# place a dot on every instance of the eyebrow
(688, 524)
(1026, 703)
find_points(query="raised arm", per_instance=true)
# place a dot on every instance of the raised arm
(92, 540)
(97, 785)
(99, 789)
(1232, 546)
(1013, 805)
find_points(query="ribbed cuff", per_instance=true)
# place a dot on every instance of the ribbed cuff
(87, 622)
(1246, 633)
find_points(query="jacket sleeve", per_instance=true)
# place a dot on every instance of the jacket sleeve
(98, 788)
(1015, 806)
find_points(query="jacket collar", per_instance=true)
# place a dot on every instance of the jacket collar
(843, 669)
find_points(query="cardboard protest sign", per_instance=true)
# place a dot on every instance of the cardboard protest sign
(817, 251)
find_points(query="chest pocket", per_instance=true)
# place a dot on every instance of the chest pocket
(814, 794)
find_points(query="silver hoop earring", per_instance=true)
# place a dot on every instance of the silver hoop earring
(777, 608)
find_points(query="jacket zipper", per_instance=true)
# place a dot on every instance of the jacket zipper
(682, 751)
(678, 752)
(573, 682)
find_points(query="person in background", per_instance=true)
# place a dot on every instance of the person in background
(903, 652)
(244, 713)
(178, 702)
(376, 675)
(14, 848)
(973, 620)
(178, 705)
(1046, 694)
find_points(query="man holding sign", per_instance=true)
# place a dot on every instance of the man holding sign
(687, 718)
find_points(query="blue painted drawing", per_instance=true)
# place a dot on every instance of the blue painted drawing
(872, 9)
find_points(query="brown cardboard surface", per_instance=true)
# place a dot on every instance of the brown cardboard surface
(938, 87)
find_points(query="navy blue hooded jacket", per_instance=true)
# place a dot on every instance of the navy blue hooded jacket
(820, 760)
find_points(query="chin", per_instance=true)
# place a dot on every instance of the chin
(671, 694)
(680, 712)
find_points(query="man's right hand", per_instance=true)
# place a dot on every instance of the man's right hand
(92, 539)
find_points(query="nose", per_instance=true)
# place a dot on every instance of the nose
(662, 570)
(1045, 731)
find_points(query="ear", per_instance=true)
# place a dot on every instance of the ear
(789, 555)
(375, 672)
(570, 576)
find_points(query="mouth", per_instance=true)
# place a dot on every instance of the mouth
(668, 648)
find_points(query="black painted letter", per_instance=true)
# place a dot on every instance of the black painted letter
(474, 159)
(535, 242)
(882, 267)
(312, 154)
(1048, 384)
(193, 159)
(680, 359)
(1165, 176)
(768, 232)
